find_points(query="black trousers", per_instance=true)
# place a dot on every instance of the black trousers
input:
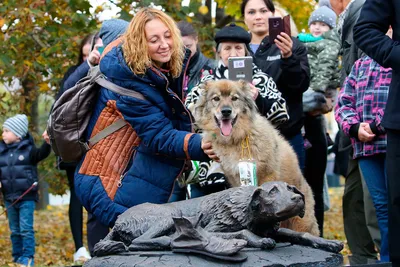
(315, 165)
(95, 231)
(75, 211)
(393, 180)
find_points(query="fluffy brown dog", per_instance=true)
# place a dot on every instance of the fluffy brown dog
(228, 115)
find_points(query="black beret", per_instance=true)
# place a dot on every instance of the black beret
(232, 33)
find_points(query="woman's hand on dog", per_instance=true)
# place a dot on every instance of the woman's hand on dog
(207, 148)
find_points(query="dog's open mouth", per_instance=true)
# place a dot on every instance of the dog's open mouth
(226, 125)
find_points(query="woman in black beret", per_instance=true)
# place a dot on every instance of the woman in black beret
(233, 41)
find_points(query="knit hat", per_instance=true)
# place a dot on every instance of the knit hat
(17, 124)
(111, 29)
(323, 14)
(232, 33)
(325, 3)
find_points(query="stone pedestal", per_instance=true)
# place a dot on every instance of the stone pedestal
(282, 255)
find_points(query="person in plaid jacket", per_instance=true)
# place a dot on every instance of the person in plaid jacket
(359, 111)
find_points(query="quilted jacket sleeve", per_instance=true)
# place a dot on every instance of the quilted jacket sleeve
(157, 132)
(345, 111)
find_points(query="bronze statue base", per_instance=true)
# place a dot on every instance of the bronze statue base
(284, 254)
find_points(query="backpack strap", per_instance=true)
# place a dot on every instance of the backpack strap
(118, 89)
(118, 124)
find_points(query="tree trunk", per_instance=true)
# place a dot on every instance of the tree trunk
(31, 109)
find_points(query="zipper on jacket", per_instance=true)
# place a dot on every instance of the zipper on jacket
(183, 104)
(124, 172)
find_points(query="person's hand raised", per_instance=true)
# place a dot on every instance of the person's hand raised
(94, 56)
(254, 90)
(285, 43)
(46, 137)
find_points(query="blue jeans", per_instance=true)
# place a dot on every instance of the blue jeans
(20, 220)
(297, 143)
(373, 170)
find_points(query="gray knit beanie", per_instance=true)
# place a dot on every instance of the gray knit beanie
(111, 29)
(18, 125)
(323, 14)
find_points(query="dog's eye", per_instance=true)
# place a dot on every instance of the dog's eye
(273, 191)
(234, 98)
(216, 98)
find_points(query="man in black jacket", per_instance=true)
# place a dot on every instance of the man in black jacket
(369, 34)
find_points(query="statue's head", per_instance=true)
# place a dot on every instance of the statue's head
(277, 201)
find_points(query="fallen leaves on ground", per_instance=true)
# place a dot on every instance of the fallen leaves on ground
(54, 243)
(55, 247)
(333, 224)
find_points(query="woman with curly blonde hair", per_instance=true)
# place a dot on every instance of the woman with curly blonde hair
(141, 161)
(136, 41)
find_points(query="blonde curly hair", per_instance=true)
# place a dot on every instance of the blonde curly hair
(135, 43)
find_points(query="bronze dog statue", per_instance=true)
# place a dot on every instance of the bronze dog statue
(251, 214)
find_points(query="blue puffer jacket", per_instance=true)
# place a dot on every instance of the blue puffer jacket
(17, 171)
(140, 162)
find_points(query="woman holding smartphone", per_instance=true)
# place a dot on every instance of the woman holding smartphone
(285, 60)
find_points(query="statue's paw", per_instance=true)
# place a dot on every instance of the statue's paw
(267, 243)
(334, 246)
(109, 247)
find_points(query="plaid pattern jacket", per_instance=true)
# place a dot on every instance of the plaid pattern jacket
(363, 98)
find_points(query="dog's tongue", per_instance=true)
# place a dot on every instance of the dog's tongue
(226, 127)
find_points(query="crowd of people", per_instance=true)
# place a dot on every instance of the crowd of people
(159, 156)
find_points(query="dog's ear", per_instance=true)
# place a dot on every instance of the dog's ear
(248, 95)
(256, 199)
(297, 191)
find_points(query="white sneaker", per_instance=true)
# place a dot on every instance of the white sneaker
(81, 255)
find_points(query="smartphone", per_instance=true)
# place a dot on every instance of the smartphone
(240, 68)
(276, 25)
(286, 25)
(100, 49)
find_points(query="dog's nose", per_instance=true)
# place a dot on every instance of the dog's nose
(296, 197)
(226, 111)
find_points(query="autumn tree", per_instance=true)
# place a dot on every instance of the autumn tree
(38, 41)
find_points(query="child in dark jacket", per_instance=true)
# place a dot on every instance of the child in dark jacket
(18, 177)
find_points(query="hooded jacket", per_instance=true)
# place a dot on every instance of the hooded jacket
(292, 76)
(18, 168)
(140, 162)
